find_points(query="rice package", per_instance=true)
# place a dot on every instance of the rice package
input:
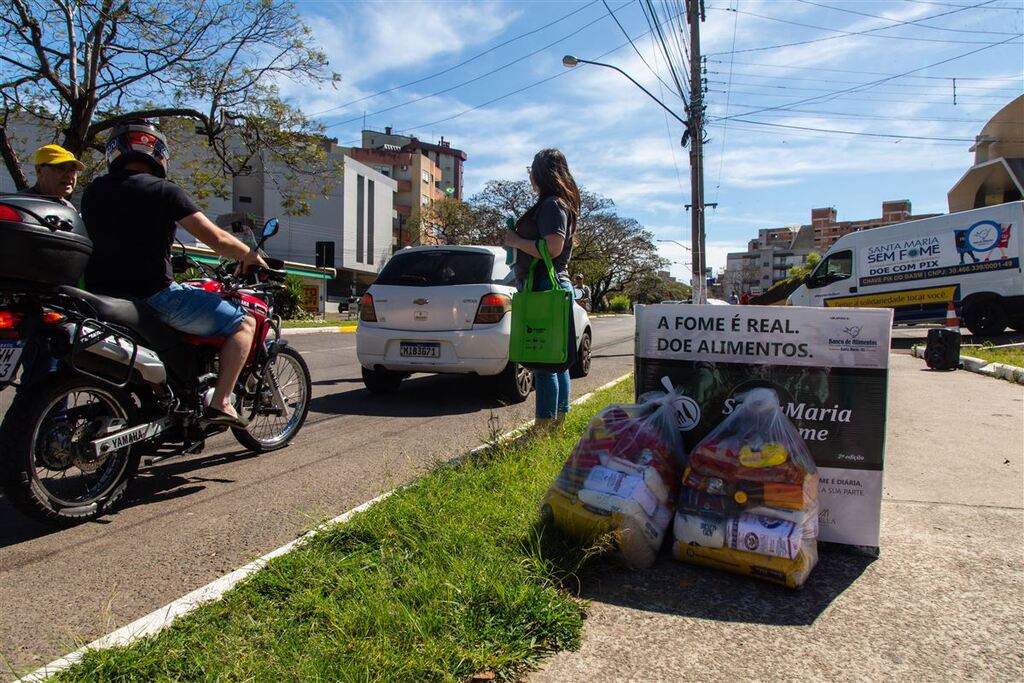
(749, 498)
(622, 478)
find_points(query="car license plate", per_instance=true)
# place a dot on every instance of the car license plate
(420, 350)
(10, 353)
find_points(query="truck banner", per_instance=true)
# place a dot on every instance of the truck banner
(974, 247)
(829, 368)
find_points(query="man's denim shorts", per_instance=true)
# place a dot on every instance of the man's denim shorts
(194, 311)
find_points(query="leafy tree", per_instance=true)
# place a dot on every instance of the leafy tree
(802, 271)
(652, 288)
(78, 67)
(444, 221)
(610, 251)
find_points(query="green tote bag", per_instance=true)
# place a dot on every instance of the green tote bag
(540, 320)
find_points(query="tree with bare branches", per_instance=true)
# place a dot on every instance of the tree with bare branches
(76, 68)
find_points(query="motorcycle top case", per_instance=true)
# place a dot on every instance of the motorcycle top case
(47, 243)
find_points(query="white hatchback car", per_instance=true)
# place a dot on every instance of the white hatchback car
(446, 309)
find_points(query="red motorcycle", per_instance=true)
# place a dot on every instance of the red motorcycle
(126, 387)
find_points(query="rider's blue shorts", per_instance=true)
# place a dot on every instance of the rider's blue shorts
(194, 311)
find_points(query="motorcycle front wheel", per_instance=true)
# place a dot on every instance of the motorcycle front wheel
(281, 406)
(47, 468)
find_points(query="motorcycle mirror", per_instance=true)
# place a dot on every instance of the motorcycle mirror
(270, 228)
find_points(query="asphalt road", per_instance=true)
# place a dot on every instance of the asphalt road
(188, 521)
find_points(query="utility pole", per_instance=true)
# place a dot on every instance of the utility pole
(695, 124)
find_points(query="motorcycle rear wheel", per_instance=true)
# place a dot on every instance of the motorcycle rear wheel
(267, 430)
(46, 468)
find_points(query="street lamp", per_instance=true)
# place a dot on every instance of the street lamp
(697, 237)
(679, 243)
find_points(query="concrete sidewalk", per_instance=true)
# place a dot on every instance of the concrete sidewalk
(944, 601)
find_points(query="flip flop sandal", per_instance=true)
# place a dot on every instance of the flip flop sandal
(219, 417)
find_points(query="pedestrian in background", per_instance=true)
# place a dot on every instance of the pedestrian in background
(584, 299)
(553, 218)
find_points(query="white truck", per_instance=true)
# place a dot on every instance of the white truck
(971, 258)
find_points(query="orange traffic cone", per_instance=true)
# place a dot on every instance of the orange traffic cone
(951, 319)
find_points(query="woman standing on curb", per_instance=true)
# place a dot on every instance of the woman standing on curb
(553, 219)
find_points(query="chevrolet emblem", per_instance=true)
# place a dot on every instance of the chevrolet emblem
(421, 302)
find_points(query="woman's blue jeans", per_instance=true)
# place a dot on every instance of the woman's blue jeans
(552, 387)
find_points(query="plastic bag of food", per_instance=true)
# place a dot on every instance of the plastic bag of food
(749, 499)
(622, 478)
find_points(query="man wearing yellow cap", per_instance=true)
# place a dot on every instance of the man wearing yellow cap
(56, 173)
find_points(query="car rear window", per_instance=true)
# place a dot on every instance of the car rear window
(438, 267)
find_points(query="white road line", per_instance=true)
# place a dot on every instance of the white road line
(156, 621)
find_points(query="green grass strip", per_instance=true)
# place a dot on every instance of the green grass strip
(1010, 356)
(451, 576)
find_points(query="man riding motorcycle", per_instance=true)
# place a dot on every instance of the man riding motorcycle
(130, 214)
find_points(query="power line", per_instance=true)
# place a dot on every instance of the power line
(953, 4)
(901, 91)
(621, 28)
(518, 90)
(934, 28)
(1019, 77)
(728, 97)
(853, 132)
(475, 78)
(871, 84)
(460, 64)
(858, 33)
(833, 80)
(865, 33)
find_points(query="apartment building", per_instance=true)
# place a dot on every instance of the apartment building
(449, 160)
(827, 229)
(768, 258)
(416, 177)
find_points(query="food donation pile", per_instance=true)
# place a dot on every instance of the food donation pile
(749, 501)
(622, 478)
(745, 502)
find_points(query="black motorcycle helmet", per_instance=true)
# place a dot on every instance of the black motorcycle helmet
(137, 140)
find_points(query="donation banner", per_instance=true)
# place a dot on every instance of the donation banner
(829, 367)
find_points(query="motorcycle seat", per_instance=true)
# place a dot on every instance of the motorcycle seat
(134, 314)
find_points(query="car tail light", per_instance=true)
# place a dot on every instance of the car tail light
(9, 320)
(366, 311)
(9, 323)
(492, 308)
(9, 214)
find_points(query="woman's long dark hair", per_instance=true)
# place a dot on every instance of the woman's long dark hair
(550, 171)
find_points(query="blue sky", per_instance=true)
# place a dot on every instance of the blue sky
(488, 77)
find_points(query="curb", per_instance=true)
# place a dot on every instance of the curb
(290, 331)
(161, 618)
(1010, 373)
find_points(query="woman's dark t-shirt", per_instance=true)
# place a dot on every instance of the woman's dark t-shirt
(131, 221)
(549, 217)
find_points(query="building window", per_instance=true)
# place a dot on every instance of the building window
(426, 177)
(369, 222)
(360, 209)
(242, 199)
(424, 200)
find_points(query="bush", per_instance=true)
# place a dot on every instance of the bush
(620, 303)
(288, 301)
